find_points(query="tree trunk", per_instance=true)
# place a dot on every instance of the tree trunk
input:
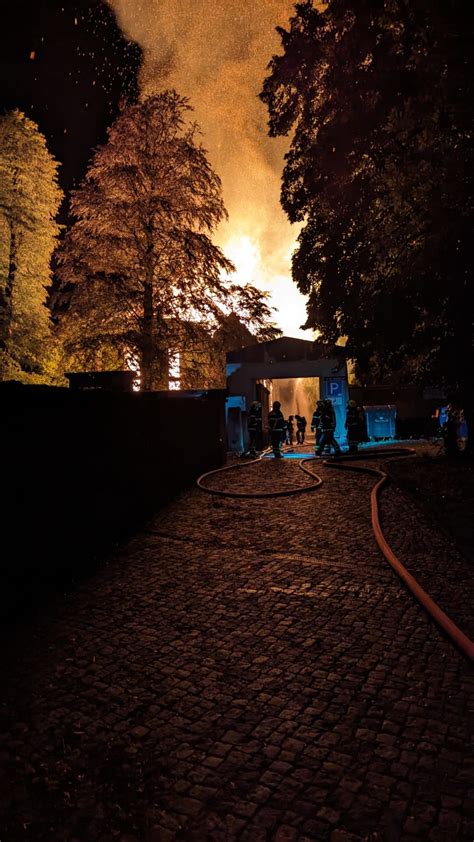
(146, 367)
(161, 363)
(6, 294)
(161, 370)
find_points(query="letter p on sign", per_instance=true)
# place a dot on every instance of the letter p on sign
(334, 388)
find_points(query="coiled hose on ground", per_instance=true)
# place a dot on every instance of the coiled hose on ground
(436, 613)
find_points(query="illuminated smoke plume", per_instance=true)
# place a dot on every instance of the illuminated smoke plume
(215, 52)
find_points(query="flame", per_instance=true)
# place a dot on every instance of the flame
(250, 267)
(246, 257)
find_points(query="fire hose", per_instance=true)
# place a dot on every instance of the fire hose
(435, 612)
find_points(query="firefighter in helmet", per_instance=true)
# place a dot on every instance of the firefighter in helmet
(276, 425)
(290, 429)
(300, 428)
(353, 426)
(254, 426)
(316, 421)
(328, 425)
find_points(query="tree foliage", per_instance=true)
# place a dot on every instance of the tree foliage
(29, 201)
(141, 277)
(378, 98)
(203, 362)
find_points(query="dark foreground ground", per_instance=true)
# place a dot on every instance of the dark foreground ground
(248, 670)
(444, 489)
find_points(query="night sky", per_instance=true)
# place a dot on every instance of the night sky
(66, 65)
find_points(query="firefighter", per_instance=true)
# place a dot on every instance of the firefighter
(254, 427)
(450, 430)
(316, 421)
(328, 425)
(290, 429)
(330, 406)
(300, 428)
(297, 418)
(276, 425)
(462, 431)
(353, 426)
(364, 436)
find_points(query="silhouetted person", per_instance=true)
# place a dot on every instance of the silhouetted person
(316, 421)
(450, 431)
(300, 428)
(353, 426)
(328, 426)
(290, 429)
(254, 426)
(364, 435)
(276, 426)
(462, 431)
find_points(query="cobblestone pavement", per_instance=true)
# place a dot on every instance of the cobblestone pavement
(247, 670)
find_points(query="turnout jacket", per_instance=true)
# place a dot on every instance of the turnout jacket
(352, 419)
(328, 419)
(276, 421)
(316, 419)
(254, 423)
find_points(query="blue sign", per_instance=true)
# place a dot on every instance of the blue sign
(334, 388)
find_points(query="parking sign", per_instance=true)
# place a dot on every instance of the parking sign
(335, 389)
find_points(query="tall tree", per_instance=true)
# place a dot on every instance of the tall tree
(29, 202)
(140, 274)
(378, 97)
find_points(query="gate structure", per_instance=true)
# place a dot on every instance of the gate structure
(251, 373)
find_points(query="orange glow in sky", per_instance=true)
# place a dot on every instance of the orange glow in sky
(215, 52)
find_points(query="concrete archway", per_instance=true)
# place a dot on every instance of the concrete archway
(251, 372)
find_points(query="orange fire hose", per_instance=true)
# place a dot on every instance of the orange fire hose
(257, 495)
(452, 630)
(436, 613)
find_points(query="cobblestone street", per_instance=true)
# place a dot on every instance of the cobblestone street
(248, 670)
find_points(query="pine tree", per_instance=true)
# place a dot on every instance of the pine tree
(140, 274)
(29, 201)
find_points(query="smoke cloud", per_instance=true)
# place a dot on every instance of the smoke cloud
(216, 52)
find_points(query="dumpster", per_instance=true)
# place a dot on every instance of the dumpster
(380, 421)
